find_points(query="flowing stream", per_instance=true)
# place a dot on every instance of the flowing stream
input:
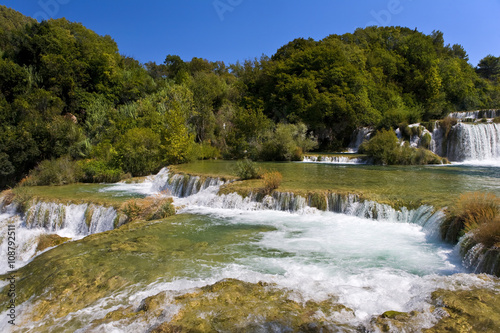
(370, 257)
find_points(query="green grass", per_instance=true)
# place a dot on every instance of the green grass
(396, 185)
(74, 193)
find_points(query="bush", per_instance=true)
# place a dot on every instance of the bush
(488, 233)
(384, 148)
(205, 151)
(272, 180)
(496, 120)
(425, 141)
(286, 143)
(95, 171)
(54, 172)
(149, 208)
(139, 151)
(246, 169)
(478, 212)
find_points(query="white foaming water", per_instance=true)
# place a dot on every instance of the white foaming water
(474, 142)
(359, 136)
(333, 159)
(371, 265)
(44, 218)
(368, 266)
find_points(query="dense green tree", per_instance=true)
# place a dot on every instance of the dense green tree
(139, 151)
(489, 68)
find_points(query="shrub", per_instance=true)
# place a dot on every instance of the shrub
(286, 143)
(205, 151)
(425, 141)
(472, 212)
(496, 120)
(384, 148)
(489, 233)
(139, 151)
(246, 169)
(54, 172)
(272, 180)
(447, 123)
(95, 171)
(149, 208)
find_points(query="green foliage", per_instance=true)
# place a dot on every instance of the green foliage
(384, 148)
(425, 141)
(246, 169)
(139, 151)
(65, 90)
(286, 143)
(54, 172)
(96, 171)
(205, 151)
(489, 68)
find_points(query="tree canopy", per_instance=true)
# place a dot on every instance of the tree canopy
(66, 91)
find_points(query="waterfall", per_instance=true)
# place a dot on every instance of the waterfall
(42, 218)
(467, 142)
(180, 185)
(333, 159)
(474, 142)
(477, 258)
(350, 204)
(73, 220)
(359, 136)
(475, 114)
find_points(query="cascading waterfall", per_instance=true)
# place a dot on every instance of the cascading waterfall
(474, 142)
(182, 185)
(41, 218)
(76, 220)
(479, 114)
(477, 258)
(430, 220)
(359, 136)
(333, 159)
(194, 191)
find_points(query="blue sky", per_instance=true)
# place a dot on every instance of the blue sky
(231, 30)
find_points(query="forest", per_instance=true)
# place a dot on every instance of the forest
(72, 108)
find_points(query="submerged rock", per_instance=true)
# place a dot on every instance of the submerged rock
(232, 305)
(466, 310)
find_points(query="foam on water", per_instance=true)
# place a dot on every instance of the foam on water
(371, 266)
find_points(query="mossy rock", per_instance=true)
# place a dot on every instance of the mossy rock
(45, 241)
(232, 305)
(476, 310)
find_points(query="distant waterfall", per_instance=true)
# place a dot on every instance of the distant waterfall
(359, 136)
(475, 114)
(333, 159)
(468, 142)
